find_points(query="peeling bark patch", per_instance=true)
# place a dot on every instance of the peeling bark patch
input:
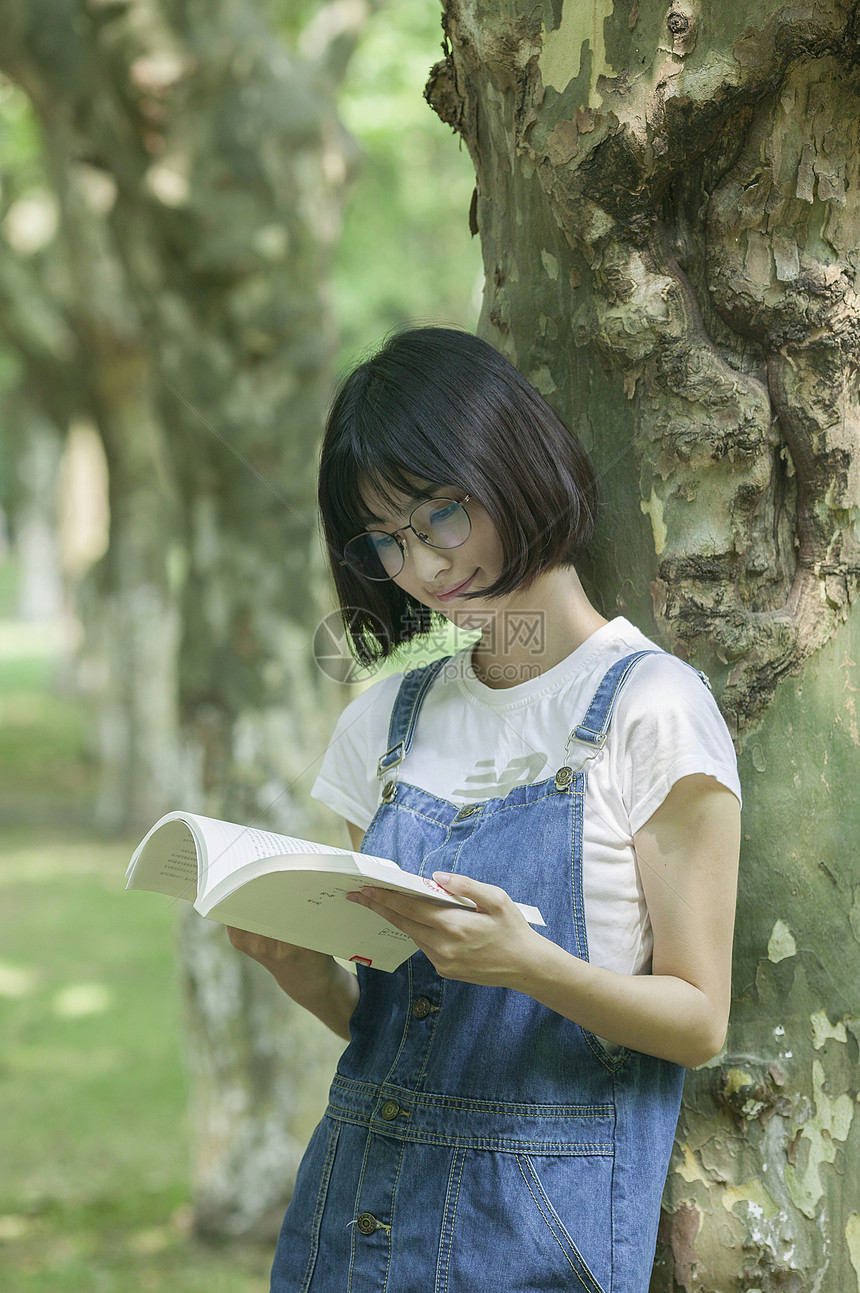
(823, 1030)
(852, 1239)
(759, 1203)
(550, 264)
(578, 37)
(690, 1170)
(653, 509)
(542, 380)
(736, 1080)
(781, 943)
(683, 1229)
(854, 915)
(819, 1133)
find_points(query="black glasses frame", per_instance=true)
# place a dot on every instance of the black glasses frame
(401, 543)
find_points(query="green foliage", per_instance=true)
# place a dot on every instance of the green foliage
(406, 254)
(21, 173)
(20, 144)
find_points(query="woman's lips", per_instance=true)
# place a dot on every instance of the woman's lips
(455, 592)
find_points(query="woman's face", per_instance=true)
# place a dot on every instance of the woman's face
(438, 577)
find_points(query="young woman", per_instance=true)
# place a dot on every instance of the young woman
(503, 1115)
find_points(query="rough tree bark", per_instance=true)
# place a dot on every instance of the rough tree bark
(668, 198)
(200, 170)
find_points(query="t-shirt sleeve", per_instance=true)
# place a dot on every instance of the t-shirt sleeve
(347, 781)
(669, 727)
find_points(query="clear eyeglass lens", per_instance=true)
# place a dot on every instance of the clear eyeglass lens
(440, 523)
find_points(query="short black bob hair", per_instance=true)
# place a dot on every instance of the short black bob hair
(443, 406)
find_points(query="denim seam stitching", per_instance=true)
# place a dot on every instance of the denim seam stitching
(353, 1228)
(459, 1153)
(560, 1149)
(391, 1212)
(405, 1032)
(581, 1269)
(613, 1064)
(545, 1218)
(465, 1105)
(322, 1194)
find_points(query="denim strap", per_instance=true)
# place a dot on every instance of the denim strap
(404, 715)
(594, 728)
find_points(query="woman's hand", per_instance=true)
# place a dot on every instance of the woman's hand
(272, 953)
(492, 945)
(312, 979)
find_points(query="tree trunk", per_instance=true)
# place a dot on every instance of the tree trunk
(200, 169)
(40, 598)
(669, 209)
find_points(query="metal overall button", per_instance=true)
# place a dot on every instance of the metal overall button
(468, 810)
(367, 1223)
(389, 790)
(563, 778)
(390, 1110)
(421, 1007)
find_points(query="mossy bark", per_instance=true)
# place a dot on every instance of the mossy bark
(668, 199)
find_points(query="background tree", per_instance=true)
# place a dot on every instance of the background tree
(669, 209)
(199, 169)
(190, 170)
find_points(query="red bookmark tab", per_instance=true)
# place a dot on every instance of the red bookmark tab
(362, 960)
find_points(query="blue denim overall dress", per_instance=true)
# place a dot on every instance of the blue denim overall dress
(476, 1141)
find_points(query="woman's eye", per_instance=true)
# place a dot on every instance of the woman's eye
(443, 513)
(383, 541)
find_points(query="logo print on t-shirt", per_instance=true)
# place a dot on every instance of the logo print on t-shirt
(485, 785)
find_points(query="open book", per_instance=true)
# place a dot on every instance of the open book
(292, 890)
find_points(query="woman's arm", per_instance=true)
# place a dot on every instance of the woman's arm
(312, 979)
(688, 855)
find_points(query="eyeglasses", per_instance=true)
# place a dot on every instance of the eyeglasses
(440, 523)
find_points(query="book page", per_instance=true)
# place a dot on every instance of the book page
(311, 910)
(166, 863)
(231, 848)
(166, 860)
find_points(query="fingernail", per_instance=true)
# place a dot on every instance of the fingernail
(441, 877)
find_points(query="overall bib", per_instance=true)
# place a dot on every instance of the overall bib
(476, 1141)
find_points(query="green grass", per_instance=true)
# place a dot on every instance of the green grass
(94, 1191)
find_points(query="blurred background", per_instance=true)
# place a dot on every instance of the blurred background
(206, 214)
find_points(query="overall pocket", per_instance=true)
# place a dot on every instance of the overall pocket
(527, 1223)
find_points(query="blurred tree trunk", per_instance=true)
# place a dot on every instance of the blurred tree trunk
(200, 170)
(669, 205)
(37, 406)
(40, 598)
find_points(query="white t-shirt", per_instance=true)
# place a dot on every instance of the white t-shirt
(475, 742)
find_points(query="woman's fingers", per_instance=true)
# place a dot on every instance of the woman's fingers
(487, 896)
(397, 907)
(259, 947)
(483, 944)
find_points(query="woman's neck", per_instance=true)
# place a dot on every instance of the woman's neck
(534, 630)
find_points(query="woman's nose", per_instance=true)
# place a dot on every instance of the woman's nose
(427, 562)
